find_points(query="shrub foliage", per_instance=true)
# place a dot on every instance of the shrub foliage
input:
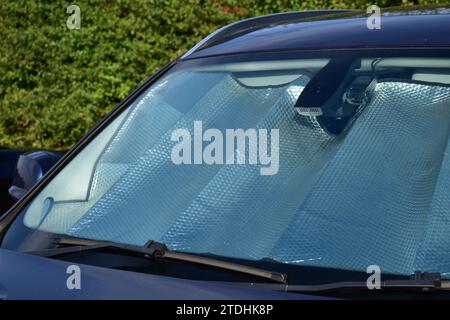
(56, 83)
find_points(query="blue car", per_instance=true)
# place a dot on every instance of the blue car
(301, 155)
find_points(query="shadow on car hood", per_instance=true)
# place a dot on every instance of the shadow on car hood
(24, 276)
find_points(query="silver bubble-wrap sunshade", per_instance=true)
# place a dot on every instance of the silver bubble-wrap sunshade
(378, 193)
(371, 204)
(153, 188)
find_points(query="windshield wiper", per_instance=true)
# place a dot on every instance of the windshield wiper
(419, 281)
(154, 250)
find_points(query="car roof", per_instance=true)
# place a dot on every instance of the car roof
(410, 27)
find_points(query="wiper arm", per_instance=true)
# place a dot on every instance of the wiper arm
(419, 281)
(153, 250)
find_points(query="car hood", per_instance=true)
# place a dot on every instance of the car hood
(25, 276)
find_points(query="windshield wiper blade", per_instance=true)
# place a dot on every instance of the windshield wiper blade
(153, 249)
(419, 281)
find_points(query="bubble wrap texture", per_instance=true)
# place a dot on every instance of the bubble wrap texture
(242, 213)
(434, 250)
(372, 200)
(142, 204)
(376, 194)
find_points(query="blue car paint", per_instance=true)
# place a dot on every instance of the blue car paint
(396, 31)
(25, 276)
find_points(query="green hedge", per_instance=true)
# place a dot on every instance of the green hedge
(56, 83)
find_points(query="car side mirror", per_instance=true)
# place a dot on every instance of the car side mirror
(30, 168)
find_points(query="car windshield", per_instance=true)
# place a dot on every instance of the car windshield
(324, 161)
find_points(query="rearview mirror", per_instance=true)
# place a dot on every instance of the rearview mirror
(30, 168)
